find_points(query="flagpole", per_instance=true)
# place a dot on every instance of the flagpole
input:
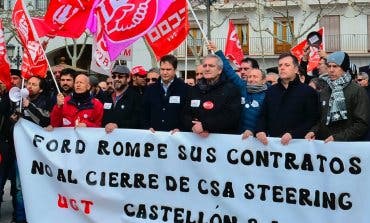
(197, 21)
(38, 39)
(20, 92)
(186, 59)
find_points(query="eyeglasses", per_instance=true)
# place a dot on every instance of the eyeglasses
(153, 79)
(118, 76)
(199, 74)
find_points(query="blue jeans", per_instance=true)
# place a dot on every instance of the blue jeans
(19, 212)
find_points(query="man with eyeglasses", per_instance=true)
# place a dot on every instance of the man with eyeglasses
(363, 81)
(122, 108)
(138, 75)
(213, 105)
(345, 106)
(152, 76)
(164, 100)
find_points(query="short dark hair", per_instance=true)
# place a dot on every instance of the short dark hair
(42, 82)
(170, 59)
(68, 71)
(153, 70)
(294, 58)
(252, 61)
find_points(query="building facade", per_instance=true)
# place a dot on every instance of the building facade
(264, 28)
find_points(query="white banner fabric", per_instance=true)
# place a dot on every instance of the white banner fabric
(85, 175)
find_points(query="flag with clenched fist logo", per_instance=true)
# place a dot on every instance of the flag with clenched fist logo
(122, 22)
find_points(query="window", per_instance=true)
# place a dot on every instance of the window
(41, 4)
(283, 34)
(1, 4)
(332, 32)
(242, 28)
(195, 41)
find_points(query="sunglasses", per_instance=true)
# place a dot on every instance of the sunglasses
(118, 76)
(360, 80)
(153, 79)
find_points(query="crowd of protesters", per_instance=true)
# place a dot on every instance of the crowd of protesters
(330, 105)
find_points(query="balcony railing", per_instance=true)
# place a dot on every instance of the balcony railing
(350, 43)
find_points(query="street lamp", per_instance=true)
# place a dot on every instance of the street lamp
(17, 59)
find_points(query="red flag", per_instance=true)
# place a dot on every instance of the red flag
(4, 63)
(314, 57)
(65, 18)
(233, 49)
(124, 22)
(171, 30)
(34, 62)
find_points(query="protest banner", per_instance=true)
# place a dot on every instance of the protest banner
(85, 175)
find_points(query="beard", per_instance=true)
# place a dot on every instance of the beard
(67, 89)
(118, 86)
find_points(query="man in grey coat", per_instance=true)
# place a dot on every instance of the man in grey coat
(345, 106)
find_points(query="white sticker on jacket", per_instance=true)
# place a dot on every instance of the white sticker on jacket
(175, 99)
(66, 121)
(107, 105)
(255, 104)
(195, 103)
(243, 100)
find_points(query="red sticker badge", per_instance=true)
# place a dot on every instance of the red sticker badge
(208, 105)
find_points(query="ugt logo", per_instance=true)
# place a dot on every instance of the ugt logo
(126, 19)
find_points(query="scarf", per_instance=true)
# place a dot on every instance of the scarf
(337, 104)
(256, 88)
(205, 86)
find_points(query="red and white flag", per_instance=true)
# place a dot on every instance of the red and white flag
(65, 18)
(233, 49)
(100, 61)
(125, 21)
(171, 30)
(4, 63)
(314, 57)
(34, 61)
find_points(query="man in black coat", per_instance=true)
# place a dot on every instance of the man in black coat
(213, 105)
(290, 107)
(122, 108)
(164, 100)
